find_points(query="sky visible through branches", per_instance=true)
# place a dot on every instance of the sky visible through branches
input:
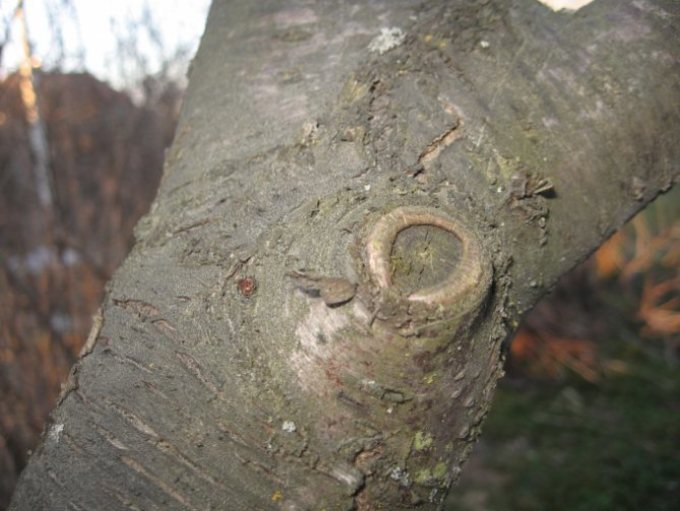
(119, 42)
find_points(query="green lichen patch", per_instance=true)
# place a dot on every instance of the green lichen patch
(432, 476)
(422, 440)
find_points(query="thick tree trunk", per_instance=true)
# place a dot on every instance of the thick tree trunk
(361, 202)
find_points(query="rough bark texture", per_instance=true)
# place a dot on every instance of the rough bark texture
(347, 230)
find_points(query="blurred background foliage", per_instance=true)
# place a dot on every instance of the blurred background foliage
(80, 160)
(588, 417)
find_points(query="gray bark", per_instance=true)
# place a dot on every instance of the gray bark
(313, 314)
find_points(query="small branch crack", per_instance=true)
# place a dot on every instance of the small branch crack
(434, 148)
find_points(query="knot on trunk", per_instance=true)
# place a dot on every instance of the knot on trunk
(428, 270)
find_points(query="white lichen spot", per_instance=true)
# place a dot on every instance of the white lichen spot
(55, 432)
(569, 5)
(549, 122)
(289, 427)
(309, 132)
(401, 476)
(484, 44)
(388, 39)
(349, 476)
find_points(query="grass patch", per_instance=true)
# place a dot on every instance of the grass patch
(577, 446)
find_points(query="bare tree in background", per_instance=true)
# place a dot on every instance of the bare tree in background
(36, 127)
(79, 163)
